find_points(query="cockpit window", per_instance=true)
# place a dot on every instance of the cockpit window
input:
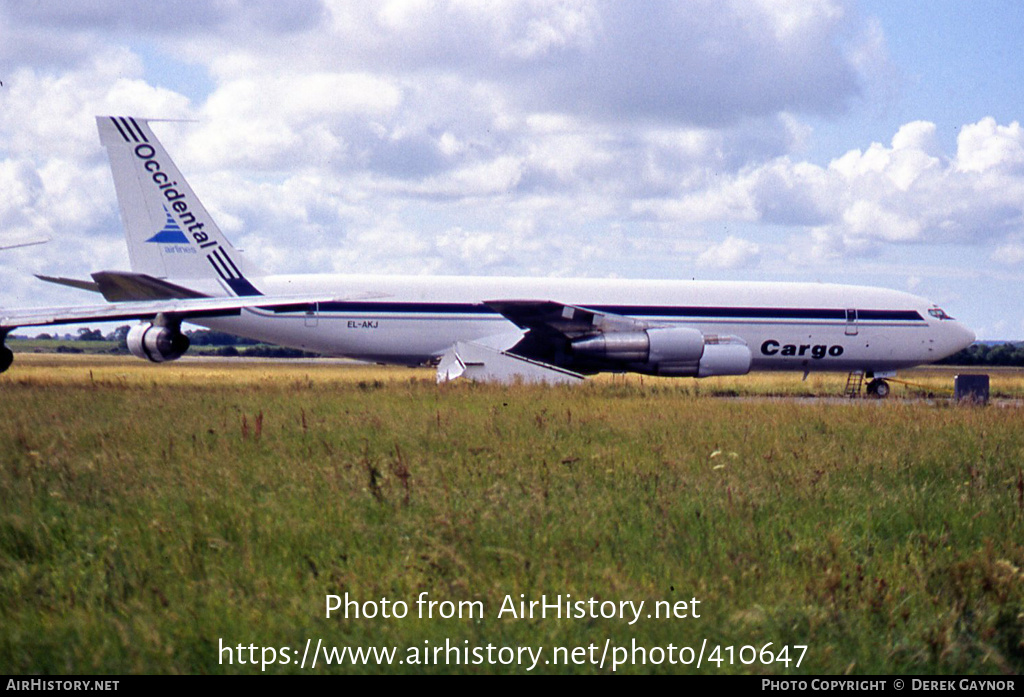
(938, 313)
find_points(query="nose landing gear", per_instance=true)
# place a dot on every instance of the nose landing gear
(878, 388)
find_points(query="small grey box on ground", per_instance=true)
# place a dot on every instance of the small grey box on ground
(971, 387)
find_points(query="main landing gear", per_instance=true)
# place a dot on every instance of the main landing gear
(878, 388)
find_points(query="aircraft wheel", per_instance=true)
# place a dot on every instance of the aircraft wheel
(6, 358)
(878, 389)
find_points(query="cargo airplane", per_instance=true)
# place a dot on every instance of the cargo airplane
(498, 329)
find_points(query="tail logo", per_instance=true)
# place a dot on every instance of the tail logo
(171, 232)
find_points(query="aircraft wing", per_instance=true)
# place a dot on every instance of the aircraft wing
(554, 320)
(540, 352)
(183, 308)
(563, 342)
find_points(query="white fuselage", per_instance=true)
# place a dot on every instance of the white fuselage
(787, 326)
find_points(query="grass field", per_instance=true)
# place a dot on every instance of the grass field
(153, 514)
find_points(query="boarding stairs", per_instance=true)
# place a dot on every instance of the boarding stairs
(854, 383)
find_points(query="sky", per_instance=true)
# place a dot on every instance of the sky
(861, 141)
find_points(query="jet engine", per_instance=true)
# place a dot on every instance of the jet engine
(668, 351)
(157, 343)
(729, 356)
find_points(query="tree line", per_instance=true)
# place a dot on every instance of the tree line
(1007, 354)
(222, 343)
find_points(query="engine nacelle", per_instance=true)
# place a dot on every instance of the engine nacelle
(656, 345)
(669, 351)
(725, 359)
(615, 346)
(156, 343)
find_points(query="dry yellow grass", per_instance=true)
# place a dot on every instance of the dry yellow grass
(53, 369)
(56, 369)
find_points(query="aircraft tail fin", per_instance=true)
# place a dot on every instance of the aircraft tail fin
(170, 233)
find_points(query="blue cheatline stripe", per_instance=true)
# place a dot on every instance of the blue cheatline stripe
(761, 313)
(117, 125)
(138, 130)
(129, 129)
(228, 271)
(874, 315)
(232, 269)
(241, 286)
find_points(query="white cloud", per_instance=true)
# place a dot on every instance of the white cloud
(477, 249)
(916, 135)
(23, 193)
(986, 146)
(911, 193)
(907, 193)
(732, 253)
(48, 113)
(703, 62)
(1009, 254)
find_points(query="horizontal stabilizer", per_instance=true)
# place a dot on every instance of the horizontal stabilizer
(118, 286)
(482, 363)
(71, 282)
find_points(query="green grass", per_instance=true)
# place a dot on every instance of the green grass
(149, 512)
(52, 345)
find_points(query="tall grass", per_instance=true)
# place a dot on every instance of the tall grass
(149, 512)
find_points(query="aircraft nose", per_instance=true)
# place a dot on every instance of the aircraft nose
(960, 337)
(967, 336)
